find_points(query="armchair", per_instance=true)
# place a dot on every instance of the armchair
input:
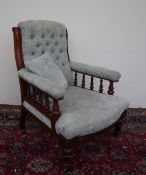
(74, 113)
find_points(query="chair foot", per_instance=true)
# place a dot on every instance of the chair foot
(118, 126)
(117, 129)
(22, 118)
(67, 152)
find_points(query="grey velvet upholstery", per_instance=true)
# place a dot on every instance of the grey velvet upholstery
(46, 68)
(98, 72)
(40, 36)
(84, 112)
(43, 84)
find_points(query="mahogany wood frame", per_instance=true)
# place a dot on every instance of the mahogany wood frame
(34, 97)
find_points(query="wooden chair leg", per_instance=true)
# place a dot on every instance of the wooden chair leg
(67, 152)
(22, 118)
(118, 126)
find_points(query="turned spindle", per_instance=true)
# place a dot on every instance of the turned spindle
(111, 88)
(28, 89)
(55, 107)
(40, 99)
(83, 81)
(101, 86)
(46, 103)
(55, 116)
(75, 79)
(92, 83)
(31, 91)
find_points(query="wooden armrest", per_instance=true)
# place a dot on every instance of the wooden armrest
(83, 83)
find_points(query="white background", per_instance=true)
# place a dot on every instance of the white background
(108, 33)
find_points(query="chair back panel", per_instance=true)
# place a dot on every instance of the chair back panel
(40, 36)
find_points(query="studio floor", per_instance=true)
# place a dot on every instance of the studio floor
(34, 153)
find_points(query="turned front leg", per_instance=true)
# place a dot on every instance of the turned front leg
(67, 150)
(119, 124)
(56, 114)
(22, 118)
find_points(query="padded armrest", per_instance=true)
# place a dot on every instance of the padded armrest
(95, 71)
(51, 88)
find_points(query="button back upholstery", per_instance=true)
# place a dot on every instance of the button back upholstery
(40, 36)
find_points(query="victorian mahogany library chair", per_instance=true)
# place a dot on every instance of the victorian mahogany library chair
(50, 87)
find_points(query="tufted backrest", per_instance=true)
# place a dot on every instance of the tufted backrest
(42, 36)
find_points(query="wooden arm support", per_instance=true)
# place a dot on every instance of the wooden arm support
(56, 115)
(83, 83)
(41, 101)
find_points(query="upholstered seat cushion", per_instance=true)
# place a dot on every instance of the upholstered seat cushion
(85, 112)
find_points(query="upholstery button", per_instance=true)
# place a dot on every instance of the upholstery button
(32, 53)
(47, 43)
(38, 45)
(56, 43)
(48, 31)
(57, 58)
(32, 36)
(61, 35)
(52, 35)
(43, 35)
(43, 51)
(61, 50)
(63, 64)
(52, 51)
